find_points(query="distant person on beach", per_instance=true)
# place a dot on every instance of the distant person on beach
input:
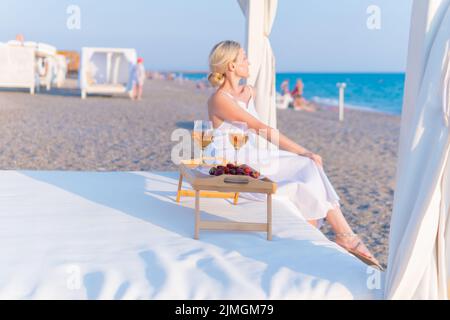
(20, 38)
(171, 76)
(285, 88)
(286, 99)
(18, 41)
(138, 78)
(300, 103)
(310, 191)
(200, 85)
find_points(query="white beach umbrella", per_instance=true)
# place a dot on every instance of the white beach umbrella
(419, 242)
(260, 15)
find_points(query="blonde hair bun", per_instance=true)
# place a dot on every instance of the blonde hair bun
(216, 79)
(221, 55)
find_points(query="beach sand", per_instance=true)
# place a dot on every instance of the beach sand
(57, 130)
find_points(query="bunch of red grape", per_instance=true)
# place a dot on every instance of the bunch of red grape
(242, 170)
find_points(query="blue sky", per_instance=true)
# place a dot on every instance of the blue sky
(308, 35)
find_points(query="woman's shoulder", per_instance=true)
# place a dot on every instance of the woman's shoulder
(217, 98)
(220, 97)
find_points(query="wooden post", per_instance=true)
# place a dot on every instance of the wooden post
(341, 87)
(197, 214)
(269, 216)
(236, 197)
(180, 182)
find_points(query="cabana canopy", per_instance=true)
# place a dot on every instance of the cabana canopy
(260, 15)
(42, 49)
(419, 256)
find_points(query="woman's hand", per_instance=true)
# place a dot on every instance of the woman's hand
(314, 157)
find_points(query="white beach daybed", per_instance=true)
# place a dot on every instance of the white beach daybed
(78, 235)
(31, 64)
(106, 70)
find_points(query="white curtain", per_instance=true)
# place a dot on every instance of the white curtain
(260, 15)
(419, 242)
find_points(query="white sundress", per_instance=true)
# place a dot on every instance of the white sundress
(298, 177)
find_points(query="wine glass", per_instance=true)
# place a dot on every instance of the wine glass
(203, 135)
(238, 136)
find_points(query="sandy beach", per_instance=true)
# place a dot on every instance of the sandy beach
(57, 130)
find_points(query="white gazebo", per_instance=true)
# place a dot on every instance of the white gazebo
(51, 67)
(106, 70)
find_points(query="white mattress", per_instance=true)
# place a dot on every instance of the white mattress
(84, 235)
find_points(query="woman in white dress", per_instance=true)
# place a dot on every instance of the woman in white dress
(299, 172)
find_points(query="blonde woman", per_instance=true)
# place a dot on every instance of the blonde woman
(300, 172)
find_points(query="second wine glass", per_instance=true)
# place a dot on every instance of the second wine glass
(238, 136)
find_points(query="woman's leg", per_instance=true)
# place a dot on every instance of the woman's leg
(140, 91)
(133, 93)
(337, 221)
(344, 232)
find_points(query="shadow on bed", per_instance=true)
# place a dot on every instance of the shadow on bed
(131, 193)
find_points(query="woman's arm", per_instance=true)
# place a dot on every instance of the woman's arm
(226, 109)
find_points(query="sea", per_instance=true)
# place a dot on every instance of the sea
(376, 92)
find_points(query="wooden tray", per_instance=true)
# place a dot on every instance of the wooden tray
(225, 182)
(225, 186)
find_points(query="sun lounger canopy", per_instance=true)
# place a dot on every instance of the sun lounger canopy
(260, 15)
(106, 70)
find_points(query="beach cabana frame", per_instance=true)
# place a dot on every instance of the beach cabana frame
(106, 70)
(419, 242)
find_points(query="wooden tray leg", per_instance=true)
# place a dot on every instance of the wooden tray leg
(206, 194)
(235, 199)
(180, 182)
(197, 214)
(269, 216)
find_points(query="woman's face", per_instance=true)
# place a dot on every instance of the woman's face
(241, 64)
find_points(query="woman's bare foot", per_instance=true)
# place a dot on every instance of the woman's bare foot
(353, 244)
